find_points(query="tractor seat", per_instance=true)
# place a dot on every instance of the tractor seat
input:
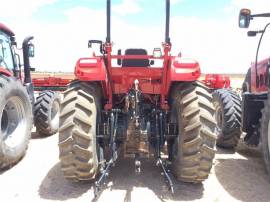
(135, 62)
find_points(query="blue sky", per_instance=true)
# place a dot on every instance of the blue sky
(203, 9)
(205, 30)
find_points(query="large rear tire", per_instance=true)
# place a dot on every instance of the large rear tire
(46, 112)
(265, 134)
(77, 131)
(193, 150)
(228, 118)
(16, 121)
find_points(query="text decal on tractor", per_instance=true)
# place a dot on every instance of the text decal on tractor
(138, 110)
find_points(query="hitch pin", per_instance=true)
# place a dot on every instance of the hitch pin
(137, 164)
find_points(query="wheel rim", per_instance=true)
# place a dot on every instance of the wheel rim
(13, 122)
(219, 118)
(55, 114)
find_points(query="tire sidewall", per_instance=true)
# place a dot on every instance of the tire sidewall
(217, 102)
(15, 88)
(56, 98)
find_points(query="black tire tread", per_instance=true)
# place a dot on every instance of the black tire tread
(230, 104)
(196, 151)
(77, 144)
(42, 108)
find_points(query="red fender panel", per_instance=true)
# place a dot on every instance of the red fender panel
(184, 69)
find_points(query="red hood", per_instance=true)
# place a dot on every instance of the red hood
(6, 30)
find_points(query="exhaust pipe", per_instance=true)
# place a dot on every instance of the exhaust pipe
(26, 61)
(108, 38)
(27, 69)
(167, 28)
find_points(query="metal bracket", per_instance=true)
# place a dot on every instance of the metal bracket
(113, 157)
(166, 175)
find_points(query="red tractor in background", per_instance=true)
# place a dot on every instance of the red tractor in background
(51, 83)
(255, 105)
(256, 100)
(17, 100)
(217, 81)
(135, 110)
(228, 109)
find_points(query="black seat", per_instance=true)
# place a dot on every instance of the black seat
(135, 62)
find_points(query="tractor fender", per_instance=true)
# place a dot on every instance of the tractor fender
(5, 72)
(182, 69)
(93, 70)
(90, 69)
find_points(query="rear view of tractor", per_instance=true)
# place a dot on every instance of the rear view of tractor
(17, 100)
(135, 110)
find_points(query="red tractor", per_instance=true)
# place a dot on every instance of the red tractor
(228, 109)
(135, 110)
(256, 101)
(217, 81)
(17, 100)
(254, 111)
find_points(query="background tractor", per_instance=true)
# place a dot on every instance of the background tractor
(228, 109)
(17, 100)
(135, 110)
(217, 81)
(255, 105)
(256, 101)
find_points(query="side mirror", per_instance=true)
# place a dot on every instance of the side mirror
(119, 61)
(152, 62)
(31, 50)
(244, 18)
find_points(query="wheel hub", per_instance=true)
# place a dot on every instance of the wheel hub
(13, 122)
(55, 114)
(219, 118)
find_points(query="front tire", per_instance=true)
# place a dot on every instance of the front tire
(193, 150)
(16, 120)
(77, 131)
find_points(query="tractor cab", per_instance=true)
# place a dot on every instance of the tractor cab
(259, 75)
(7, 62)
(9, 59)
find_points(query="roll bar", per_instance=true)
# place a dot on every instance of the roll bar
(167, 28)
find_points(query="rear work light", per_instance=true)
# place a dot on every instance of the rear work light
(157, 53)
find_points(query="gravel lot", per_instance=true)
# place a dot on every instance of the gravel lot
(236, 176)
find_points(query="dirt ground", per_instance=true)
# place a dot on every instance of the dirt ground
(236, 176)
